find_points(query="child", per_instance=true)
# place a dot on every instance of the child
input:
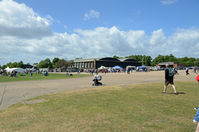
(196, 119)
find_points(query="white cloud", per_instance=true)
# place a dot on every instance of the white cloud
(91, 14)
(21, 21)
(184, 42)
(157, 37)
(168, 2)
(98, 42)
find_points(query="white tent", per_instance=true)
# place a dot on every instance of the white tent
(102, 67)
(18, 70)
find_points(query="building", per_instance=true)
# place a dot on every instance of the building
(95, 63)
(171, 64)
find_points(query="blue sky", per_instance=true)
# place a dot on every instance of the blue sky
(125, 14)
(32, 30)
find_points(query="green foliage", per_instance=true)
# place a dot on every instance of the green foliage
(116, 57)
(187, 61)
(162, 58)
(137, 57)
(20, 64)
(55, 60)
(14, 64)
(3, 67)
(45, 63)
(146, 60)
(63, 64)
(196, 62)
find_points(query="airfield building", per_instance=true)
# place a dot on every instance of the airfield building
(95, 63)
(171, 64)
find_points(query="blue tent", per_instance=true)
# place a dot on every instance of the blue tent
(117, 67)
(142, 66)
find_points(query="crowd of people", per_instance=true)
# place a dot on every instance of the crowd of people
(15, 73)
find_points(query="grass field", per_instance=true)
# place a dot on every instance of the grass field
(24, 77)
(136, 108)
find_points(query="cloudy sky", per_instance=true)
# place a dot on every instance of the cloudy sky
(32, 30)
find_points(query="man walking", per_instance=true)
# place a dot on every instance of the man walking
(169, 73)
(187, 71)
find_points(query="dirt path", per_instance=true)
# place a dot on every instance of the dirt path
(14, 92)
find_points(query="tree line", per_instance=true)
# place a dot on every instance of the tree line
(146, 60)
(47, 63)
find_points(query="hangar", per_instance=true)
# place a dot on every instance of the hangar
(95, 63)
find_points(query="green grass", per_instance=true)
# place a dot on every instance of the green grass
(24, 77)
(137, 108)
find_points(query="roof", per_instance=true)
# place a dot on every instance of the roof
(86, 60)
(169, 63)
(105, 59)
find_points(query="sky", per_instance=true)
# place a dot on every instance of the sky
(33, 30)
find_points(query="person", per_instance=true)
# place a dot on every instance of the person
(196, 119)
(187, 71)
(197, 79)
(176, 70)
(45, 73)
(30, 73)
(194, 69)
(14, 73)
(169, 74)
(96, 80)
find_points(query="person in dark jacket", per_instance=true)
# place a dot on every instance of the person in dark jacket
(169, 74)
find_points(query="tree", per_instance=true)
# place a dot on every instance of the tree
(55, 60)
(3, 67)
(170, 58)
(45, 63)
(196, 62)
(136, 57)
(116, 57)
(20, 64)
(146, 60)
(187, 61)
(191, 61)
(63, 64)
(158, 59)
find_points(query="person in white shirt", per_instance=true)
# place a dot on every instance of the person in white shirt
(96, 79)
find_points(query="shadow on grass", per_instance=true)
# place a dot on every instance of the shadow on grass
(178, 93)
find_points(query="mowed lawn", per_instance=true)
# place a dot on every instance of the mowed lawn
(136, 108)
(27, 77)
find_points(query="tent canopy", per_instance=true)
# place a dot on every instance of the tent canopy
(102, 67)
(142, 66)
(117, 67)
(19, 70)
